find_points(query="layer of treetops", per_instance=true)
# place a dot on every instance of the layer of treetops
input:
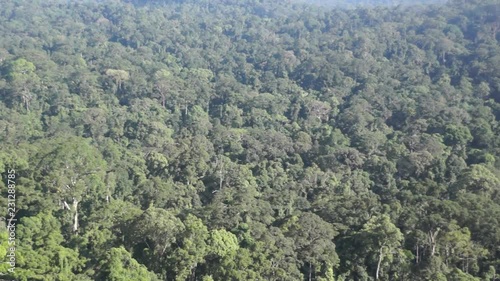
(228, 140)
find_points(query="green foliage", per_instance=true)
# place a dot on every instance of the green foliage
(120, 266)
(20, 70)
(251, 140)
(223, 243)
(42, 255)
(193, 248)
(5, 248)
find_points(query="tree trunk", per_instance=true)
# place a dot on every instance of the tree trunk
(75, 207)
(26, 98)
(221, 174)
(446, 256)
(380, 256)
(494, 30)
(432, 240)
(65, 205)
(467, 265)
(310, 271)
(193, 272)
(417, 256)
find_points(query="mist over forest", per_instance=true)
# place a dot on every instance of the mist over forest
(250, 140)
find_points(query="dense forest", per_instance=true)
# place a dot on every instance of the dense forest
(366, 3)
(249, 140)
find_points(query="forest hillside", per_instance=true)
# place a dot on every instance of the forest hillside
(249, 140)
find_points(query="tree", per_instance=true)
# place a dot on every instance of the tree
(120, 266)
(223, 243)
(4, 249)
(193, 248)
(162, 84)
(119, 76)
(382, 236)
(313, 239)
(42, 254)
(460, 249)
(21, 74)
(71, 170)
(478, 179)
(153, 235)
